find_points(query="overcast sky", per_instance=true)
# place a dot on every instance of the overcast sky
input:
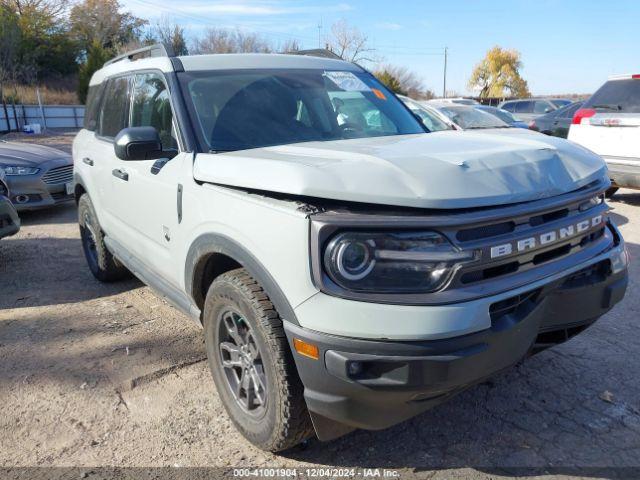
(567, 46)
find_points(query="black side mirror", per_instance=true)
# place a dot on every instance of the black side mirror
(138, 143)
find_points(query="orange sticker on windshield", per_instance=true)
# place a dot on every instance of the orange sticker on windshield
(378, 94)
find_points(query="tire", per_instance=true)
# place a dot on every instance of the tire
(611, 191)
(269, 409)
(103, 265)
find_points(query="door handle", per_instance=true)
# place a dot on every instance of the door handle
(87, 161)
(121, 174)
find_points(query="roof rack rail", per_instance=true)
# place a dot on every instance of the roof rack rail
(156, 50)
(316, 52)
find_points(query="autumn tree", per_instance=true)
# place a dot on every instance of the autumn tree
(498, 75)
(349, 43)
(102, 21)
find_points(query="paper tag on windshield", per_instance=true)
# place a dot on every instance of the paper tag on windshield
(347, 81)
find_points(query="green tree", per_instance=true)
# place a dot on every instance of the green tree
(498, 75)
(171, 34)
(44, 48)
(96, 56)
(390, 81)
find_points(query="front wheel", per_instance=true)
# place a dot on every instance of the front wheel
(252, 365)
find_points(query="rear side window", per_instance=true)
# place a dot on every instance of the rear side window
(542, 107)
(152, 108)
(524, 107)
(91, 109)
(617, 96)
(114, 113)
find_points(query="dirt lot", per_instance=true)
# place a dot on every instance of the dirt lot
(109, 375)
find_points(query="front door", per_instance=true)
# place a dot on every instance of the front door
(146, 191)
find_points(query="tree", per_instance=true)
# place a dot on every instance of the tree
(349, 43)
(498, 75)
(390, 81)
(403, 81)
(171, 34)
(96, 56)
(44, 48)
(102, 21)
(216, 40)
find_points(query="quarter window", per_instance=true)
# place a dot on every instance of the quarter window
(113, 116)
(91, 110)
(151, 107)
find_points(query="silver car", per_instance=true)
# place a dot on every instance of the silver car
(37, 176)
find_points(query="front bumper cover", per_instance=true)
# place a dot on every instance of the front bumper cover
(375, 384)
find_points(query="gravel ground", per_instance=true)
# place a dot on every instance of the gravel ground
(95, 375)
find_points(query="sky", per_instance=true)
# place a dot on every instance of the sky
(567, 46)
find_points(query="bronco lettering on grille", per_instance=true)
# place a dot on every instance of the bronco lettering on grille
(545, 238)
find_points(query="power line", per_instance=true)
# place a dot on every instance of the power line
(205, 19)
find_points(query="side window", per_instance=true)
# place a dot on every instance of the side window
(91, 109)
(542, 107)
(524, 107)
(115, 107)
(509, 106)
(151, 107)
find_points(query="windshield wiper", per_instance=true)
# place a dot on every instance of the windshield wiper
(608, 106)
(220, 151)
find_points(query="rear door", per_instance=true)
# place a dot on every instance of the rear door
(611, 125)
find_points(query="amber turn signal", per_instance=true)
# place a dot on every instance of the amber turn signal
(306, 349)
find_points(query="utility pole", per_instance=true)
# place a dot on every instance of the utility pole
(444, 82)
(320, 34)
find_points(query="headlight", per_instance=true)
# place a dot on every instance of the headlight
(391, 262)
(17, 170)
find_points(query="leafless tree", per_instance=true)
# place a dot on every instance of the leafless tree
(218, 40)
(349, 43)
(170, 33)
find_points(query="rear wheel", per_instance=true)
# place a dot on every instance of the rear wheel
(252, 365)
(103, 265)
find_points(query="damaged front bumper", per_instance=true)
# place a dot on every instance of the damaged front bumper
(374, 384)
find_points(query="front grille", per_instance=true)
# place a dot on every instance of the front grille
(58, 175)
(514, 305)
(502, 232)
(60, 196)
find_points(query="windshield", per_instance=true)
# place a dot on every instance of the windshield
(429, 118)
(471, 118)
(501, 114)
(558, 102)
(237, 110)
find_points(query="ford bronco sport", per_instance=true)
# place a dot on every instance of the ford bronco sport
(349, 268)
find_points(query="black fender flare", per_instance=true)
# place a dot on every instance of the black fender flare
(209, 243)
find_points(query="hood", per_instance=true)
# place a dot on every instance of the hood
(446, 169)
(27, 155)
